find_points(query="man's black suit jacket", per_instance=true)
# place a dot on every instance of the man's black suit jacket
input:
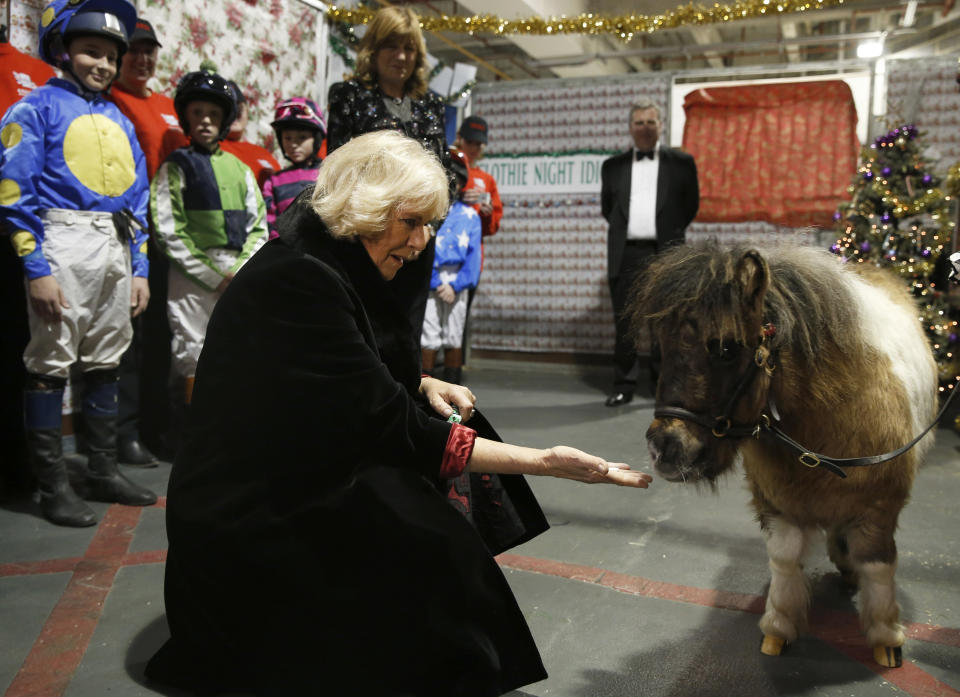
(678, 198)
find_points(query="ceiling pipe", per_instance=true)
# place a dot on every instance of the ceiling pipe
(486, 44)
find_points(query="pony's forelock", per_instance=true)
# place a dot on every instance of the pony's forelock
(698, 282)
(693, 283)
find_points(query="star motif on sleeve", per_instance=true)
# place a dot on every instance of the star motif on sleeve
(470, 213)
(463, 239)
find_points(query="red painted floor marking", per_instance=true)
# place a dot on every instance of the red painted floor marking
(58, 650)
(114, 533)
(933, 633)
(46, 566)
(636, 585)
(153, 556)
(909, 677)
(841, 630)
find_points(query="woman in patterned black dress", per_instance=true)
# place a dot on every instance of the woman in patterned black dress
(388, 91)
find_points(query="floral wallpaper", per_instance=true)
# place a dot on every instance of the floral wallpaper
(24, 20)
(268, 47)
(271, 48)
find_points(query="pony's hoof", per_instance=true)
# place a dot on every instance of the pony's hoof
(889, 656)
(772, 645)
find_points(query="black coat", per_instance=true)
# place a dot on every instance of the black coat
(309, 549)
(678, 199)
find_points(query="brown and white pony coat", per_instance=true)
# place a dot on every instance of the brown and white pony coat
(851, 374)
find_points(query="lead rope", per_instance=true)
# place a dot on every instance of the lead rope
(836, 464)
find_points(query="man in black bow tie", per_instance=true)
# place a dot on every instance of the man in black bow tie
(649, 196)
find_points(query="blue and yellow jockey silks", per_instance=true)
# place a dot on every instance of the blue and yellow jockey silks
(202, 200)
(59, 150)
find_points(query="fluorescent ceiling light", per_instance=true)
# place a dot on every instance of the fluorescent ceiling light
(910, 14)
(870, 49)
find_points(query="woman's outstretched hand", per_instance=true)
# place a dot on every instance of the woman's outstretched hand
(570, 463)
(442, 395)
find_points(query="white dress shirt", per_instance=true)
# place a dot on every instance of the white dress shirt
(642, 223)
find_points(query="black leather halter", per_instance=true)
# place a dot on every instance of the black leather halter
(722, 426)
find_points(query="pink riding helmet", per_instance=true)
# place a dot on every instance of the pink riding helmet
(300, 112)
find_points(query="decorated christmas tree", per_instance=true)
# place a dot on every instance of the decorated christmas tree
(899, 218)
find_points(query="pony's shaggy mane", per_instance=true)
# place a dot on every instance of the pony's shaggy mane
(700, 282)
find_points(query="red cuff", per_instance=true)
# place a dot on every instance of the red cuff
(457, 451)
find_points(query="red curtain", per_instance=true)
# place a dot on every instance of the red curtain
(781, 153)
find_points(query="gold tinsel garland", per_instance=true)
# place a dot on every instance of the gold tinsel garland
(623, 26)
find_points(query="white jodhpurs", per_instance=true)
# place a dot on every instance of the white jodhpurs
(189, 306)
(92, 267)
(443, 322)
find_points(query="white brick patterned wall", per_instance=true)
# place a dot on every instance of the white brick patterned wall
(544, 283)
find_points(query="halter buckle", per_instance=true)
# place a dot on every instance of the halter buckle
(762, 424)
(762, 359)
(809, 460)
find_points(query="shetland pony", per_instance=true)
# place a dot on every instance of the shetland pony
(832, 355)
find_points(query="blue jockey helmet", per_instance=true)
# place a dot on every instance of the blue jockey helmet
(62, 19)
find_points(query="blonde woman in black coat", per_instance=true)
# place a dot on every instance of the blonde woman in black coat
(310, 549)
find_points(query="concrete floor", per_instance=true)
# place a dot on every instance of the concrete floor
(632, 592)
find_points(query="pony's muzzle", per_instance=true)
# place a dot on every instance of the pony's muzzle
(673, 450)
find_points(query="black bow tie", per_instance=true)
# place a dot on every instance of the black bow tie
(642, 154)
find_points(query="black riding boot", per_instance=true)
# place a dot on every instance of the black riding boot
(42, 408)
(453, 365)
(104, 482)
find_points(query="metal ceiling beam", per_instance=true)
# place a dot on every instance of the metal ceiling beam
(466, 43)
(706, 48)
(707, 36)
(584, 56)
(946, 29)
(546, 47)
(636, 63)
(789, 31)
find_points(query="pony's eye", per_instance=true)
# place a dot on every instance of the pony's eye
(723, 351)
